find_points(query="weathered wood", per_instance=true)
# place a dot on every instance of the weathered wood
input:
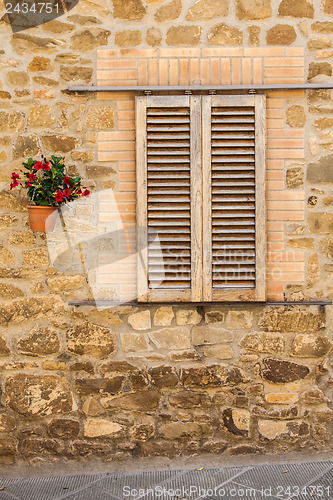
(233, 161)
(207, 200)
(260, 107)
(242, 295)
(141, 198)
(196, 200)
(165, 295)
(168, 197)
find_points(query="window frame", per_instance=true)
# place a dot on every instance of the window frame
(201, 289)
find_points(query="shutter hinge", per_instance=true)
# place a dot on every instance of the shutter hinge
(252, 91)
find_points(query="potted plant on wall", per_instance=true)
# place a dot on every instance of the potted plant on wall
(48, 186)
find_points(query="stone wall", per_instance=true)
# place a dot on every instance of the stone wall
(146, 381)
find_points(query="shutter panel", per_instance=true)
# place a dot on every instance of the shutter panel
(169, 198)
(234, 198)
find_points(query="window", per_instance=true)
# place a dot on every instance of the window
(200, 167)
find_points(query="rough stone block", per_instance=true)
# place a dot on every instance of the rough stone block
(187, 317)
(297, 8)
(321, 170)
(314, 397)
(25, 147)
(134, 342)
(180, 430)
(8, 446)
(140, 320)
(223, 34)
(163, 376)
(238, 320)
(183, 35)
(219, 351)
(142, 432)
(248, 10)
(21, 310)
(169, 11)
(282, 372)
(111, 385)
(171, 338)
(37, 395)
(64, 428)
(36, 258)
(189, 355)
(214, 375)
(163, 316)
(89, 39)
(237, 421)
(11, 122)
(92, 408)
(310, 346)
(40, 342)
(40, 446)
(295, 116)
(7, 423)
(270, 430)
(292, 321)
(281, 34)
(131, 10)
(210, 335)
(101, 428)
(146, 401)
(207, 9)
(263, 342)
(91, 339)
(190, 399)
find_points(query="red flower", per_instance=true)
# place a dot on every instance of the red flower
(38, 165)
(59, 196)
(32, 177)
(86, 192)
(15, 181)
(67, 193)
(67, 181)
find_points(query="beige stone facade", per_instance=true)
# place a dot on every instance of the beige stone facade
(172, 380)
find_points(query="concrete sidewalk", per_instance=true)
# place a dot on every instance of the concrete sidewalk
(279, 481)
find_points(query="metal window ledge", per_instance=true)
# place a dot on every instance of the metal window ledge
(136, 303)
(198, 88)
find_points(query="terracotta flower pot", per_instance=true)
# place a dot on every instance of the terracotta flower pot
(42, 218)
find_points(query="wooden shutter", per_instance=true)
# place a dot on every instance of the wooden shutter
(169, 198)
(201, 198)
(233, 198)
